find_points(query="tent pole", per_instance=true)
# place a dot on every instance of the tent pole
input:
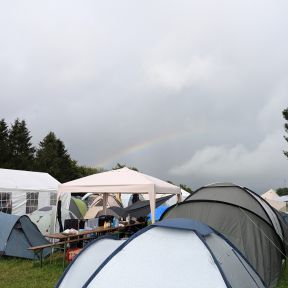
(55, 216)
(152, 200)
(118, 197)
(105, 198)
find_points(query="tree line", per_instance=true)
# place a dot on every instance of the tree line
(17, 152)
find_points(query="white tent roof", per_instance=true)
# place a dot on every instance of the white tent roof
(270, 195)
(26, 180)
(274, 200)
(122, 180)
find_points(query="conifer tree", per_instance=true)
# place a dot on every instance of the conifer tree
(53, 158)
(84, 171)
(21, 150)
(4, 150)
(186, 188)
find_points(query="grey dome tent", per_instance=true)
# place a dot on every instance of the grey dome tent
(246, 219)
(17, 234)
(78, 207)
(172, 253)
(97, 205)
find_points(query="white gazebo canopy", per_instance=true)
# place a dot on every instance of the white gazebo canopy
(122, 180)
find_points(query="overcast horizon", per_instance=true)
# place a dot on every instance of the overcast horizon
(185, 91)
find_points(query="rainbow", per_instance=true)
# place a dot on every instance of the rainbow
(142, 146)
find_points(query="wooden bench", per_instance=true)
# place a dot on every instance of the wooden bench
(38, 250)
(81, 236)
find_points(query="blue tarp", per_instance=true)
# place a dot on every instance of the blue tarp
(158, 212)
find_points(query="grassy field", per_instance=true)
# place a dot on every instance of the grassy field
(18, 273)
(284, 280)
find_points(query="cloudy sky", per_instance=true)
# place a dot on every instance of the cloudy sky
(190, 91)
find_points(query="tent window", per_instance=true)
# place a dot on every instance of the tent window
(32, 202)
(53, 198)
(5, 202)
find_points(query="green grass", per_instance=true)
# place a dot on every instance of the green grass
(19, 273)
(284, 279)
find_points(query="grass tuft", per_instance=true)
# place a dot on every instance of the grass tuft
(22, 273)
(283, 283)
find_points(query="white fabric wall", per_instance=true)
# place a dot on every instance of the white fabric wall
(19, 199)
(43, 199)
(65, 200)
(18, 203)
(160, 258)
(19, 182)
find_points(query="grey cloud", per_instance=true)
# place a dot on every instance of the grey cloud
(239, 165)
(110, 76)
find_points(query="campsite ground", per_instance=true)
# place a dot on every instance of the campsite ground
(19, 273)
(284, 280)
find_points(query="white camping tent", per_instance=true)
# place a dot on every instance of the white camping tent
(120, 181)
(22, 192)
(46, 221)
(171, 253)
(270, 195)
(91, 256)
(274, 200)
